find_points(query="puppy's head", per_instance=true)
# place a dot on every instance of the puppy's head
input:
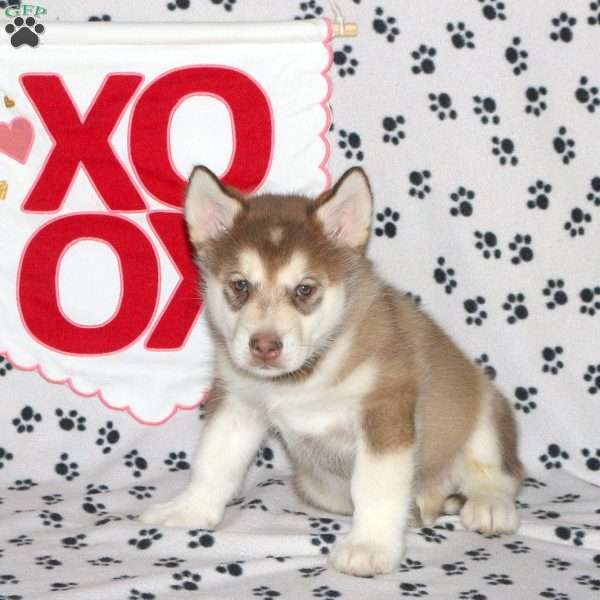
(277, 271)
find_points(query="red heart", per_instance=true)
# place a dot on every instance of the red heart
(16, 139)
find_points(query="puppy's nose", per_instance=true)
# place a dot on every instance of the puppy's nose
(266, 346)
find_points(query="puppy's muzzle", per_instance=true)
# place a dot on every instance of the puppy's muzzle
(265, 347)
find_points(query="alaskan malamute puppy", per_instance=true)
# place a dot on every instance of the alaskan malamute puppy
(383, 416)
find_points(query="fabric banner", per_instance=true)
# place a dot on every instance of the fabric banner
(100, 126)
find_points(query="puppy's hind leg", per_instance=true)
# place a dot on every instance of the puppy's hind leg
(489, 470)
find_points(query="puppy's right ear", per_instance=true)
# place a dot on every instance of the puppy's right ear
(209, 208)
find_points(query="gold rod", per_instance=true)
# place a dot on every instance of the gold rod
(349, 30)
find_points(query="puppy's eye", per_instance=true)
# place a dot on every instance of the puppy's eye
(240, 286)
(304, 290)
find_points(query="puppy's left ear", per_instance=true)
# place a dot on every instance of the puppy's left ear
(345, 210)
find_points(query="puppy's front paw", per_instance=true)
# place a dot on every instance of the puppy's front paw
(365, 558)
(490, 514)
(186, 510)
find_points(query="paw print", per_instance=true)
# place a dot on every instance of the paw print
(518, 547)
(264, 591)
(142, 492)
(393, 134)
(460, 36)
(554, 289)
(594, 18)
(591, 301)
(311, 571)
(521, 246)
(104, 561)
(553, 457)
(498, 579)
(63, 586)
(558, 564)
(323, 533)
(24, 422)
(592, 459)
(24, 31)
(552, 362)
(423, 57)
(493, 9)
(487, 242)
(594, 195)
(478, 554)
(515, 306)
(228, 5)
(47, 562)
(463, 199)
(324, 591)
(22, 485)
(531, 482)
(310, 10)
(524, 396)
(92, 506)
(418, 183)
(171, 562)
(455, 568)
(254, 504)
(473, 307)
(388, 219)
(539, 191)
(351, 143)
(432, 534)
(441, 104)
(5, 366)
(485, 108)
(545, 515)
(5, 456)
(183, 4)
(472, 595)
(591, 582)
(108, 436)
(536, 104)
(344, 61)
(65, 469)
(592, 376)
(572, 534)
(566, 499)
(136, 462)
(176, 461)
(68, 421)
(564, 146)
(410, 565)
(444, 275)
(146, 538)
(234, 569)
(264, 457)
(553, 594)
(385, 25)
(52, 499)
(488, 369)
(587, 95)
(563, 28)
(516, 56)
(51, 519)
(504, 149)
(413, 590)
(201, 538)
(186, 581)
(75, 542)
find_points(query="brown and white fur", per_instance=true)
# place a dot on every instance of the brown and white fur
(380, 411)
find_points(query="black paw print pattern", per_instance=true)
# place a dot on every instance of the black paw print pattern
(484, 362)
(323, 533)
(138, 464)
(521, 248)
(423, 57)
(345, 62)
(67, 469)
(525, 399)
(564, 146)
(594, 194)
(462, 200)
(310, 10)
(563, 26)
(590, 298)
(555, 293)
(487, 243)
(540, 195)
(460, 36)
(145, 538)
(186, 581)
(594, 17)
(516, 56)
(592, 378)
(493, 9)
(201, 538)
(25, 422)
(265, 457)
(387, 223)
(24, 32)
(70, 420)
(579, 218)
(413, 590)
(553, 457)
(419, 183)
(592, 458)
(515, 306)
(551, 356)
(385, 25)
(441, 105)
(570, 534)
(587, 94)
(176, 461)
(536, 100)
(324, 591)
(181, 4)
(504, 149)
(474, 307)
(5, 366)
(392, 127)
(485, 107)
(444, 275)
(350, 142)
(454, 568)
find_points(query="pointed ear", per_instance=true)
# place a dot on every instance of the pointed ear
(209, 208)
(345, 211)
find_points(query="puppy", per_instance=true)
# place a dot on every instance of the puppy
(381, 413)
